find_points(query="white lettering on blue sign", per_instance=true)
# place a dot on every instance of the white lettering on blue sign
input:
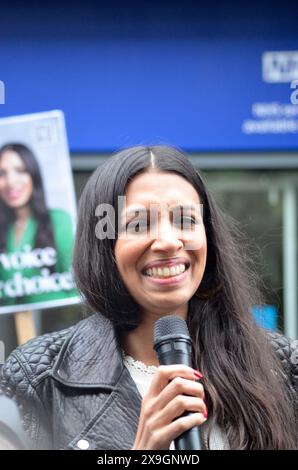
(280, 66)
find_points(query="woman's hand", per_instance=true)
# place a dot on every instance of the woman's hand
(173, 391)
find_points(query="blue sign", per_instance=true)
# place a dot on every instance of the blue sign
(205, 78)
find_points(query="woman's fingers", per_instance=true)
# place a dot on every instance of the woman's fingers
(177, 427)
(179, 386)
(165, 374)
(173, 393)
(177, 407)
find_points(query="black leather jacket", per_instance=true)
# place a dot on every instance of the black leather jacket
(74, 391)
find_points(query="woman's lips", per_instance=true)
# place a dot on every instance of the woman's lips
(167, 263)
(13, 194)
(168, 280)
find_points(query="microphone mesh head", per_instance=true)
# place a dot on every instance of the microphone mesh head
(169, 325)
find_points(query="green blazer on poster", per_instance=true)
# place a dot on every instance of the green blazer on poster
(63, 236)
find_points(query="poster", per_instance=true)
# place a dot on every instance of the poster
(37, 213)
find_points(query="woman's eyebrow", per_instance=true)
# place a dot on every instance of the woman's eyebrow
(186, 206)
(187, 209)
(144, 211)
(136, 209)
(141, 210)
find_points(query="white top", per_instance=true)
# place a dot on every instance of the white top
(142, 376)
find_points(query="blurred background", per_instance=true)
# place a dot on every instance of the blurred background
(216, 79)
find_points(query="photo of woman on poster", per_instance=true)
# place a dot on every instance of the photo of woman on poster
(35, 241)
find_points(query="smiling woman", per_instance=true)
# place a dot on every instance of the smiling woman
(147, 264)
(98, 385)
(35, 242)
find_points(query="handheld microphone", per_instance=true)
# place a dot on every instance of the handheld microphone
(172, 344)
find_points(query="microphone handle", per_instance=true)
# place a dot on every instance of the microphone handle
(177, 351)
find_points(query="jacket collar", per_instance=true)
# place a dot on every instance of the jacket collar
(90, 357)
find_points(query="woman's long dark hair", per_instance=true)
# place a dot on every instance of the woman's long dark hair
(246, 390)
(44, 235)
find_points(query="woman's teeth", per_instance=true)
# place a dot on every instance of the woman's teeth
(166, 272)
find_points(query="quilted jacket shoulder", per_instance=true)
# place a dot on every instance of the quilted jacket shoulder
(27, 367)
(27, 376)
(36, 357)
(287, 352)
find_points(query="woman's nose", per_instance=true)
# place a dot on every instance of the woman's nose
(11, 178)
(167, 238)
